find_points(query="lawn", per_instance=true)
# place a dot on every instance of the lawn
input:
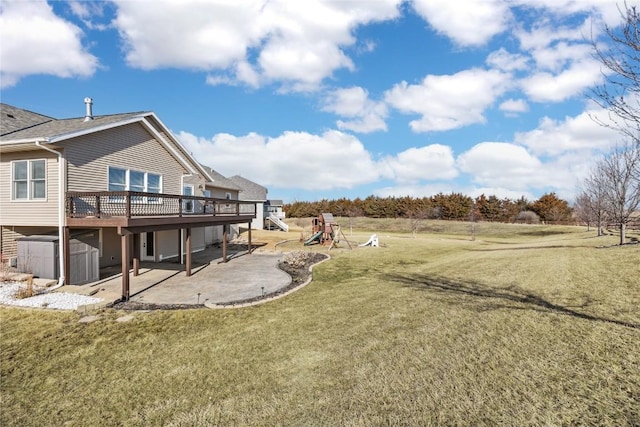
(516, 325)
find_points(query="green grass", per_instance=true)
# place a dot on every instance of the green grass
(525, 325)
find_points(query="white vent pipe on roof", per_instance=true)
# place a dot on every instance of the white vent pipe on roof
(88, 102)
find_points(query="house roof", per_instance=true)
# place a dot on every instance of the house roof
(219, 180)
(14, 118)
(52, 129)
(249, 190)
(275, 202)
(49, 130)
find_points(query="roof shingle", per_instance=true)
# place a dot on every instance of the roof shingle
(249, 189)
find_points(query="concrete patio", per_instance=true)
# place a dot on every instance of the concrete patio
(212, 282)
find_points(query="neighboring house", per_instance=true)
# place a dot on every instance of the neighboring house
(274, 207)
(122, 178)
(220, 187)
(274, 215)
(250, 191)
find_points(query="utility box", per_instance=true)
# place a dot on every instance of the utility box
(39, 255)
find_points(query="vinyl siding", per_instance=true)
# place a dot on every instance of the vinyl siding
(10, 234)
(220, 193)
(130, 147)
(29, 212)
(111, 250)
(167, 244)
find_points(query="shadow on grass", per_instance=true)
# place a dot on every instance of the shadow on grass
(511, 294)
(543, 233)
(520, 248)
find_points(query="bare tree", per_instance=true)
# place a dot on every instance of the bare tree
(417, 216)
(619, 173)
(582, 212)
(620, 91)
(592, 199)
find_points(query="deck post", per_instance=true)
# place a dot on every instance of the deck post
(249, 236)
(124, 243)
(188, 254)
(136, 254)
(66, 249)
(128, 204)
(98, 207)
(224, 243)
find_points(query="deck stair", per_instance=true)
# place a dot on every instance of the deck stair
(278, 222)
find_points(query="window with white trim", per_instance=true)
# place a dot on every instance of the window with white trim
(29, 180)
(131, 180)
(187, 205)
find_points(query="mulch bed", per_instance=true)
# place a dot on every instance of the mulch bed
(299, 275)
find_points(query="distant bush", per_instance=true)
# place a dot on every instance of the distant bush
(528, 217)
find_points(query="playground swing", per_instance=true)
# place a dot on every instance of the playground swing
(325, 231)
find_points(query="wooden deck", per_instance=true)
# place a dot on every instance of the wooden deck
(132, 213)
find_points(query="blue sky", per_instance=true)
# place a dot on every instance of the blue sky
(329, 99)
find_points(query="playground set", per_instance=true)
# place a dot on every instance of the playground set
(325, 231)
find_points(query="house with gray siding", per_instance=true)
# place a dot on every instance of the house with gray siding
(251, 191)
(124, 178)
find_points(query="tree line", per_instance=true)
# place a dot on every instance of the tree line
(453, 206)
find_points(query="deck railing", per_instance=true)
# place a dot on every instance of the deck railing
(106, 204)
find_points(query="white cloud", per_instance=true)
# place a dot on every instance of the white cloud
(563, 59)
(240, 73)
(514, 106)
(298, 44)
(606, 10)
(553, 157)
(428, 163)
(501, 59)
(449, 101)
(547, 87)
(545, 33)
(557, 57)
(365, 115)
(555, 137)
(36, 41)
(87, 12)
(466, 22)
(501, 164)
(187, 34)
(333, 160)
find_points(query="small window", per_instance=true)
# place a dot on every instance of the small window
(154, 185)
(136, 183)
(117, 179)
(187, 205)
(117, 182)
(29, 180)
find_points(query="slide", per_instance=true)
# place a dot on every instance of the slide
(313, 238)
(373, 241)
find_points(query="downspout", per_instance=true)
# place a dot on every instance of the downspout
(182, 177)
(61, 213)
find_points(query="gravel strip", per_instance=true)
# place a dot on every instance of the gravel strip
(56, 300)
